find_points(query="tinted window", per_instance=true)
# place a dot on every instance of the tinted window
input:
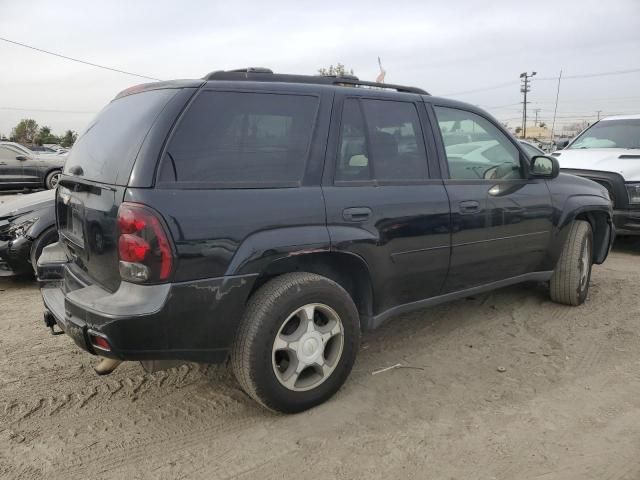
(610, 134)
(7, 154)
(531, 150)
(109, 146)
(353, 156)
(385, 144)
(475, 148)
(236, 138)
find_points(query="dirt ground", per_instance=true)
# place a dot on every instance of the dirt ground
(566, 406)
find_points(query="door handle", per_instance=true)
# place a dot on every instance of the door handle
(469, 206)
(356, 214)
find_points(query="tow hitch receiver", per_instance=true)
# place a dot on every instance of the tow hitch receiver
(50, 321)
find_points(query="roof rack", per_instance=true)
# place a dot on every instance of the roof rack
(261, 74)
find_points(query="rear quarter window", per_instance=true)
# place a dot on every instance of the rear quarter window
(241, 139)
(107, 149)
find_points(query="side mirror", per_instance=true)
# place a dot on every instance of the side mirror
(22, 158)
(544, 167)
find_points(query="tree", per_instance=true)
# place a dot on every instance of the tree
(518, 130)
(68, 139)
(25, 131)
(542, 124)
(45, 136)
(338, 71)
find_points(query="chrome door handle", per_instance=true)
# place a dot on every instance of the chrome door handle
(356, 214)
(469, 206)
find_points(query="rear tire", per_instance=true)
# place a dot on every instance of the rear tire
(51, 181)
(570, 281)
(296, 343)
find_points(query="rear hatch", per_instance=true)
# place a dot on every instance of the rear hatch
(95, 177)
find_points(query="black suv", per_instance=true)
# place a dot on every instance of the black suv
(268, 219)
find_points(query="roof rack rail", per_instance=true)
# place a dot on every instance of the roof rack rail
(261, 74)
(346, 81)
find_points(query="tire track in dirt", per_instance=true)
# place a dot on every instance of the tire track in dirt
(128, 387)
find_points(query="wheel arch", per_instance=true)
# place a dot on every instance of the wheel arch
(601, 227)
(599, 217)
(348, 270)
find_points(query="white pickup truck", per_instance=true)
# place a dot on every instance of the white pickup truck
(608, 152)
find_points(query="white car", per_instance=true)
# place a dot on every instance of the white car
(608, 152)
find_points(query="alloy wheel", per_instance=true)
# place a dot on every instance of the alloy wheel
(308, 347)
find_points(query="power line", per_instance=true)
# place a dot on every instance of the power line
(591, 75)
(46, 110)
(78, 60)
(484, 89)
(567, 77)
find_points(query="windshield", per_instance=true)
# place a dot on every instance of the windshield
(610, 134)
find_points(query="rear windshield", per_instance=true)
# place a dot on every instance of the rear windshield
(241, 139)
(108, 147)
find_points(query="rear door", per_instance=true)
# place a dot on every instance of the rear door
(501, 220)
(33, 169)
(381, 202)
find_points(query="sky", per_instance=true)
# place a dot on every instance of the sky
(470, 50)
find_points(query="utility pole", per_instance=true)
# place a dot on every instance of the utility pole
(535, 123)
(555, 109)
(598, 112)
(524, 89)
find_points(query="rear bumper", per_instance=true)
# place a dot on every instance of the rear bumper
(192, 321)
(627, 222)
(15, 257)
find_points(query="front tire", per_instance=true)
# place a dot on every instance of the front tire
(51, 181)
(570, 281)
(296, 343)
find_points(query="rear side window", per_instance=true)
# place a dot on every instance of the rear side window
(381, 140)
(238, 139)
(108, 148)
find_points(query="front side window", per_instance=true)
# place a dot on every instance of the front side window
(242, 139)
(610, 134)
(475, 148)
(7, 154)
(381, 140)
(531, 150)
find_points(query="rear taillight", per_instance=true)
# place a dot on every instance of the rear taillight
(143, 245)
(99, 342)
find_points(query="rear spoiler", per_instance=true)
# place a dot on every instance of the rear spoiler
(143, 87)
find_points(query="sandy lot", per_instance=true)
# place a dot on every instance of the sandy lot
(567, 406)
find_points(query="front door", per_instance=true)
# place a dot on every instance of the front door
(11, 169)
(381, 203)
(501, 220)
(33, 169)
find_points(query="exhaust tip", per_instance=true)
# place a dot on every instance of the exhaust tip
(106, 366)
